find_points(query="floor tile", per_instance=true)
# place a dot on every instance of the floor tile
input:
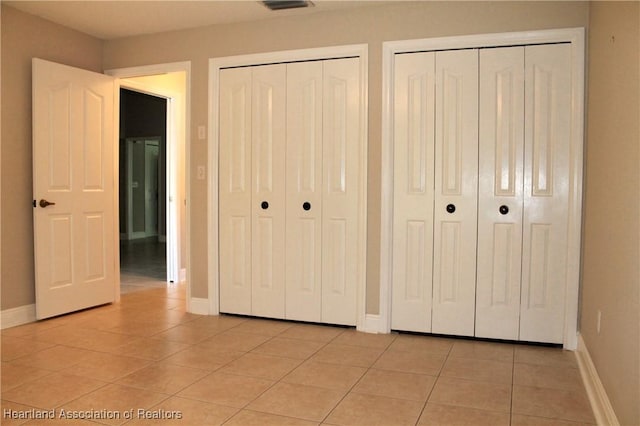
(428, 344)
(520, 420)
(356, 356)
(367, 340)
(261, 366)
(472, 394)
(97, 340)
(299, 401)
(139, 328)
(478, 369)
(149, 348)
(324, 375)
(16, 347)
(227, 389)
(119, 400)
(263, 327)
(203, 358)
(547, 377)
(184, 334)
(395, 384)
(13, 414)
(106, 367)
(438, 415)
(315, 333)
(216, 323)
(163, 377)
(14, 375)
(371, 410)
(552, 403)
(289, 348)
(55, 358)
(551, 357)
(483, 350)
(411, 362)
(255, 418)
(232, 341)
(182, 411)
(51, 391)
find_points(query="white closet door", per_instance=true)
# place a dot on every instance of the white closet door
(340, 190)
(235, 190)
(268, 183)
(547, 135)
(304, 191)
(500, 192)
(413, 165)
(456, 186)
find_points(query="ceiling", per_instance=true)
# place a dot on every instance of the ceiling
(116, 18)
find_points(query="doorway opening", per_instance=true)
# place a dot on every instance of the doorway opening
(143, 191)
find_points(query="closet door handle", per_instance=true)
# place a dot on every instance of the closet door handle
(451, 208)
(306, 205)
(503, 209)
(264, 205)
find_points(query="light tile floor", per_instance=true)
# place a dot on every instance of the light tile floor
(147, 353)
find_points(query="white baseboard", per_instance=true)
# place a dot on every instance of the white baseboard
(602, 409)
(183, 275)
(199, 306)
(17, 316)
(371, 324)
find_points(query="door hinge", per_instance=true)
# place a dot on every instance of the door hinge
(34, 203)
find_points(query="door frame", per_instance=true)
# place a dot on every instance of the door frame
(174, 147)
(215, 65)
(574, 36)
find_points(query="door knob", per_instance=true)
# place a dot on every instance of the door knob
(44, 203)
(264, 205)
(503, 209)
(451, 208)
(306, 205)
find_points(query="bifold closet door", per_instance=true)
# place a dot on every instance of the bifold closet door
(413, 164)
(546, 191)
(235, 215)
(456, 186)
(252, 192)
(268, 190)
(304, 191)
(341, 175)
(500, 192)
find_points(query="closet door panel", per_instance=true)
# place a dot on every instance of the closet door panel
(304, 191)
(547, 136)
(268, 187)
(340, 189)
(413, 136)
(456, 185)
(501, 151)
(235, 191)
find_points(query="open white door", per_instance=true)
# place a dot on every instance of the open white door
(73, 170)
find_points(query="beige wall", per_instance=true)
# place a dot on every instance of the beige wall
(372, 25)
(611, 275)
(23, 37)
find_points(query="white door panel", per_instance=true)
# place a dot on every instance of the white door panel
(268, 198)
(414, 132)
(341, 174)
(456, 184)
(73, 167)
(304, 191)
(500, 202)
(547, 135)
(235, 191)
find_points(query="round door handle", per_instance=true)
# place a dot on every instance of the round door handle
(503, 209)
(264, 205)
(306, 205)
(451, 208)
(44, 203)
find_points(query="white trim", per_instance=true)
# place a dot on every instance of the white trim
(371, 324)
(164, 68)
(183, 276)
(199, 306)
(17, 316)
(575, 36)
(215, 64)
(600, 404)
